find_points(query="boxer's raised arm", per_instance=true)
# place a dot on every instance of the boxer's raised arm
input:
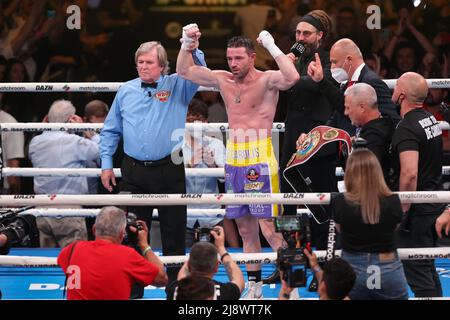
(186, 68)
(197, 74)
(287, 75)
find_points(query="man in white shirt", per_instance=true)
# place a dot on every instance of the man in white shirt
(201, 151)
(12, 152)
(61, 149)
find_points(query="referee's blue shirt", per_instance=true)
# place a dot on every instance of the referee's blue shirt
(151, 120)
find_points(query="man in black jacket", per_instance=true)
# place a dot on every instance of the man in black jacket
(308, 108)
(203, 261)
(348, 68)
(362, 109)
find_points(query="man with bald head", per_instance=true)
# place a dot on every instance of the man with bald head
(362, 109)
(417, 152)
(348, 68)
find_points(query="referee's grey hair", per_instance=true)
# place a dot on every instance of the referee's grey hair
(160, 52)
(61, 111)
(363, 93)
(110, 221)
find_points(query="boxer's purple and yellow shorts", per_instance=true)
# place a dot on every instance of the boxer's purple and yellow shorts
(252, 167)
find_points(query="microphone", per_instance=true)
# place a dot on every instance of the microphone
(297, 49)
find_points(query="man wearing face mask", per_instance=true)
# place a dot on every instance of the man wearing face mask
(417, 151)
(308, 108)
(348, 68)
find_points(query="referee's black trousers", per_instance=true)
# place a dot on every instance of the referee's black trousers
(160, 178)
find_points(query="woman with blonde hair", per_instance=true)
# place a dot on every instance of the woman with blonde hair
(367, 215)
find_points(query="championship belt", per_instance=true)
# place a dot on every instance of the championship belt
(299, 175)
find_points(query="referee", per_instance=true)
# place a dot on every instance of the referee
(146, 112)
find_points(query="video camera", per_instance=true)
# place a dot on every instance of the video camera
(20, 230)
(292, 261)
(131, 237)
(203, 234)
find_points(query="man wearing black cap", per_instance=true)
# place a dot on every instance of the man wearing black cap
(306, 107)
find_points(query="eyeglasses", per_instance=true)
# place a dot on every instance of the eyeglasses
(305, 33)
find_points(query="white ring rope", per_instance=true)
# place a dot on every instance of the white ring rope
(195, 199)
(239, 258)
(79, 127)
(114, 86)
(95, 172)
(66, 212)
(72, 87)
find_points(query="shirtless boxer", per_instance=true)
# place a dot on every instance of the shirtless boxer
(250, 97)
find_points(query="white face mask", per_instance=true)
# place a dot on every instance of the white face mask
(339, 74)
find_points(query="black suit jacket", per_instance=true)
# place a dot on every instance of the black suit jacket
(336, 98)
(306, 106)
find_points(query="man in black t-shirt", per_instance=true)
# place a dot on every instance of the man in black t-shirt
(417, 152)
(362, 109)
(203, 261)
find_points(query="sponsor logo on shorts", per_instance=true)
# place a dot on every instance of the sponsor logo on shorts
(254, 186)
(252, 174)
(243, 154)
(162, 95)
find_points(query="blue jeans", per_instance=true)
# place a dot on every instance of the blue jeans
(378, 276)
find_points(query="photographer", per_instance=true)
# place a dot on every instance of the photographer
(335, 280)
(203, 261)
(196, 287)
(17, 230)
(106, 269)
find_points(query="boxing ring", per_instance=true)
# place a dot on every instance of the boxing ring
(37, 267)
